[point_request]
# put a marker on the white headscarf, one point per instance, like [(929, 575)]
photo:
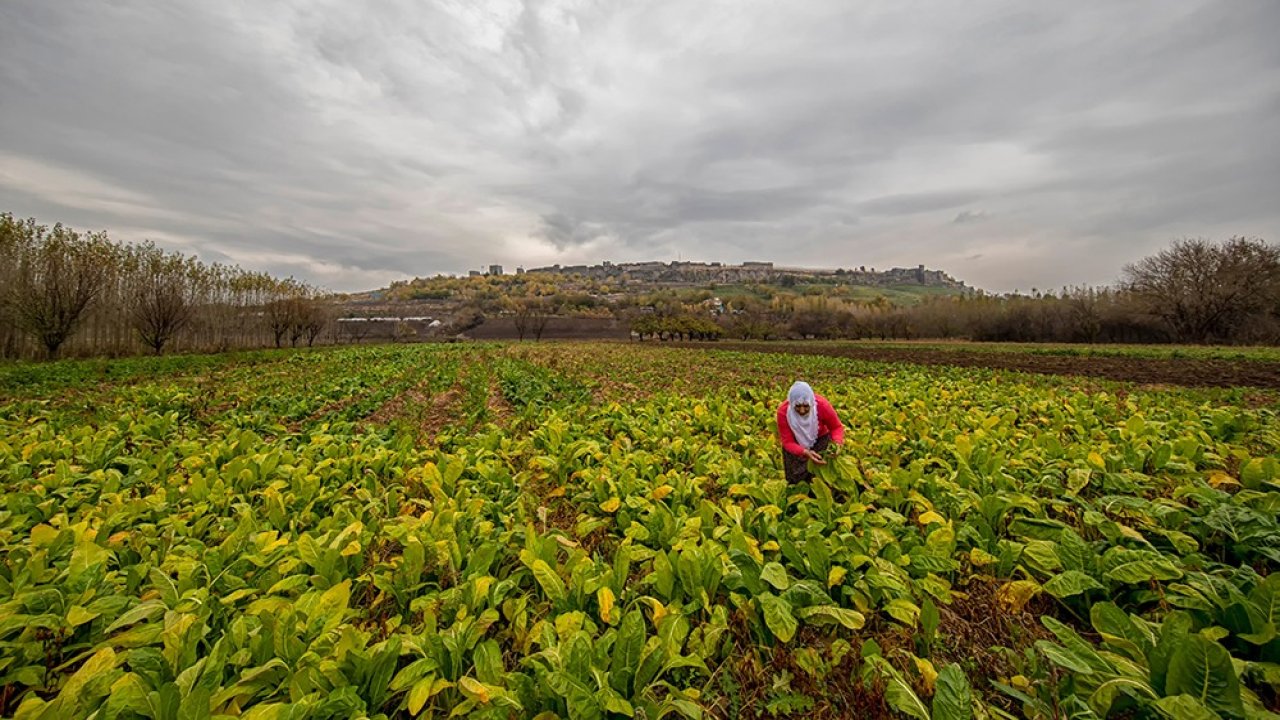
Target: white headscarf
[(805, 428)]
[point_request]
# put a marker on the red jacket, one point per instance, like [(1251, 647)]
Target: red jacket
[(828, 423)]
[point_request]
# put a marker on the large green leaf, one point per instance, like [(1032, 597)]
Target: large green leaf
[(898, 692), (1063, 657), (830, 614), (1120, 631), (1264, 609), (1104, 697), (774, 574), (1258, 471), (1202, 669), (626, 652), (548, 580), (1071, 582), (778, 617), (330, 607), (952, 696), (1041, 555), (1185, 707), (1077, 647), (1143, 571), (488, 662)]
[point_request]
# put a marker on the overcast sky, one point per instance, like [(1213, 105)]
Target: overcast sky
[(1011, 143)]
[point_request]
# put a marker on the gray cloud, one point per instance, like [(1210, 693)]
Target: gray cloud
[(968, 216), (352, 145)]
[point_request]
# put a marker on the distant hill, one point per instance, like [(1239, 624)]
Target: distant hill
[(615, 292), (896, 284)]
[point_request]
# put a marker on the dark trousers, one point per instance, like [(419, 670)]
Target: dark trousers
[(797, 466)]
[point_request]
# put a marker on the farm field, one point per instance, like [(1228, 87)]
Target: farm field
[(1174, 352), (1146, 364), (602, 530)]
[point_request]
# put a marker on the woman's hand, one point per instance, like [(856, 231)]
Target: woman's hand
[(814, 457)]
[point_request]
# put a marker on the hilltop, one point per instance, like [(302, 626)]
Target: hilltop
[(605, 299)]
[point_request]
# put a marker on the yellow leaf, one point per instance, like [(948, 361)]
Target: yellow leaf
[(836, 576), (99, 664), (1020, 681), (474, 689), (42, 535), (77, 615), (1096, 461), (1219, 479), (423, 690), (352, 548), (662, 491), (771, 545), (1130, 532), (930, 517), (604, 596), (927, 673), (418, 694), (611, 505), (659, 611), (1015, 595), (980, 557), (557, 492)]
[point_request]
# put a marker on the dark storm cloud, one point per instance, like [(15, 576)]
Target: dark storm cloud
[(1013, 144)]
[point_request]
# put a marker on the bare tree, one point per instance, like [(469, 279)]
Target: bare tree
[(530, 317), (163, 304), (313, 319), (539, 316), (1206, 292), (523, 310), (57, 275), (16, 237), (355, 328), (279, 319)]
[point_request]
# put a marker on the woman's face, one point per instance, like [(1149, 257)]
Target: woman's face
[(802, 409)]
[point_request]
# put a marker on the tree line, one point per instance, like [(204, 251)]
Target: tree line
[(64, 292), (1195, 291)]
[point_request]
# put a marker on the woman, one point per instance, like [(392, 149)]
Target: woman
[(807, 425)]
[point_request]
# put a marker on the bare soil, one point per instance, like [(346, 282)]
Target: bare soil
[(1148, 371)]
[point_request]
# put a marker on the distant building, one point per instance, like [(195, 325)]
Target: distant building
[(519, 271), (495, 269), (473, 273)]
